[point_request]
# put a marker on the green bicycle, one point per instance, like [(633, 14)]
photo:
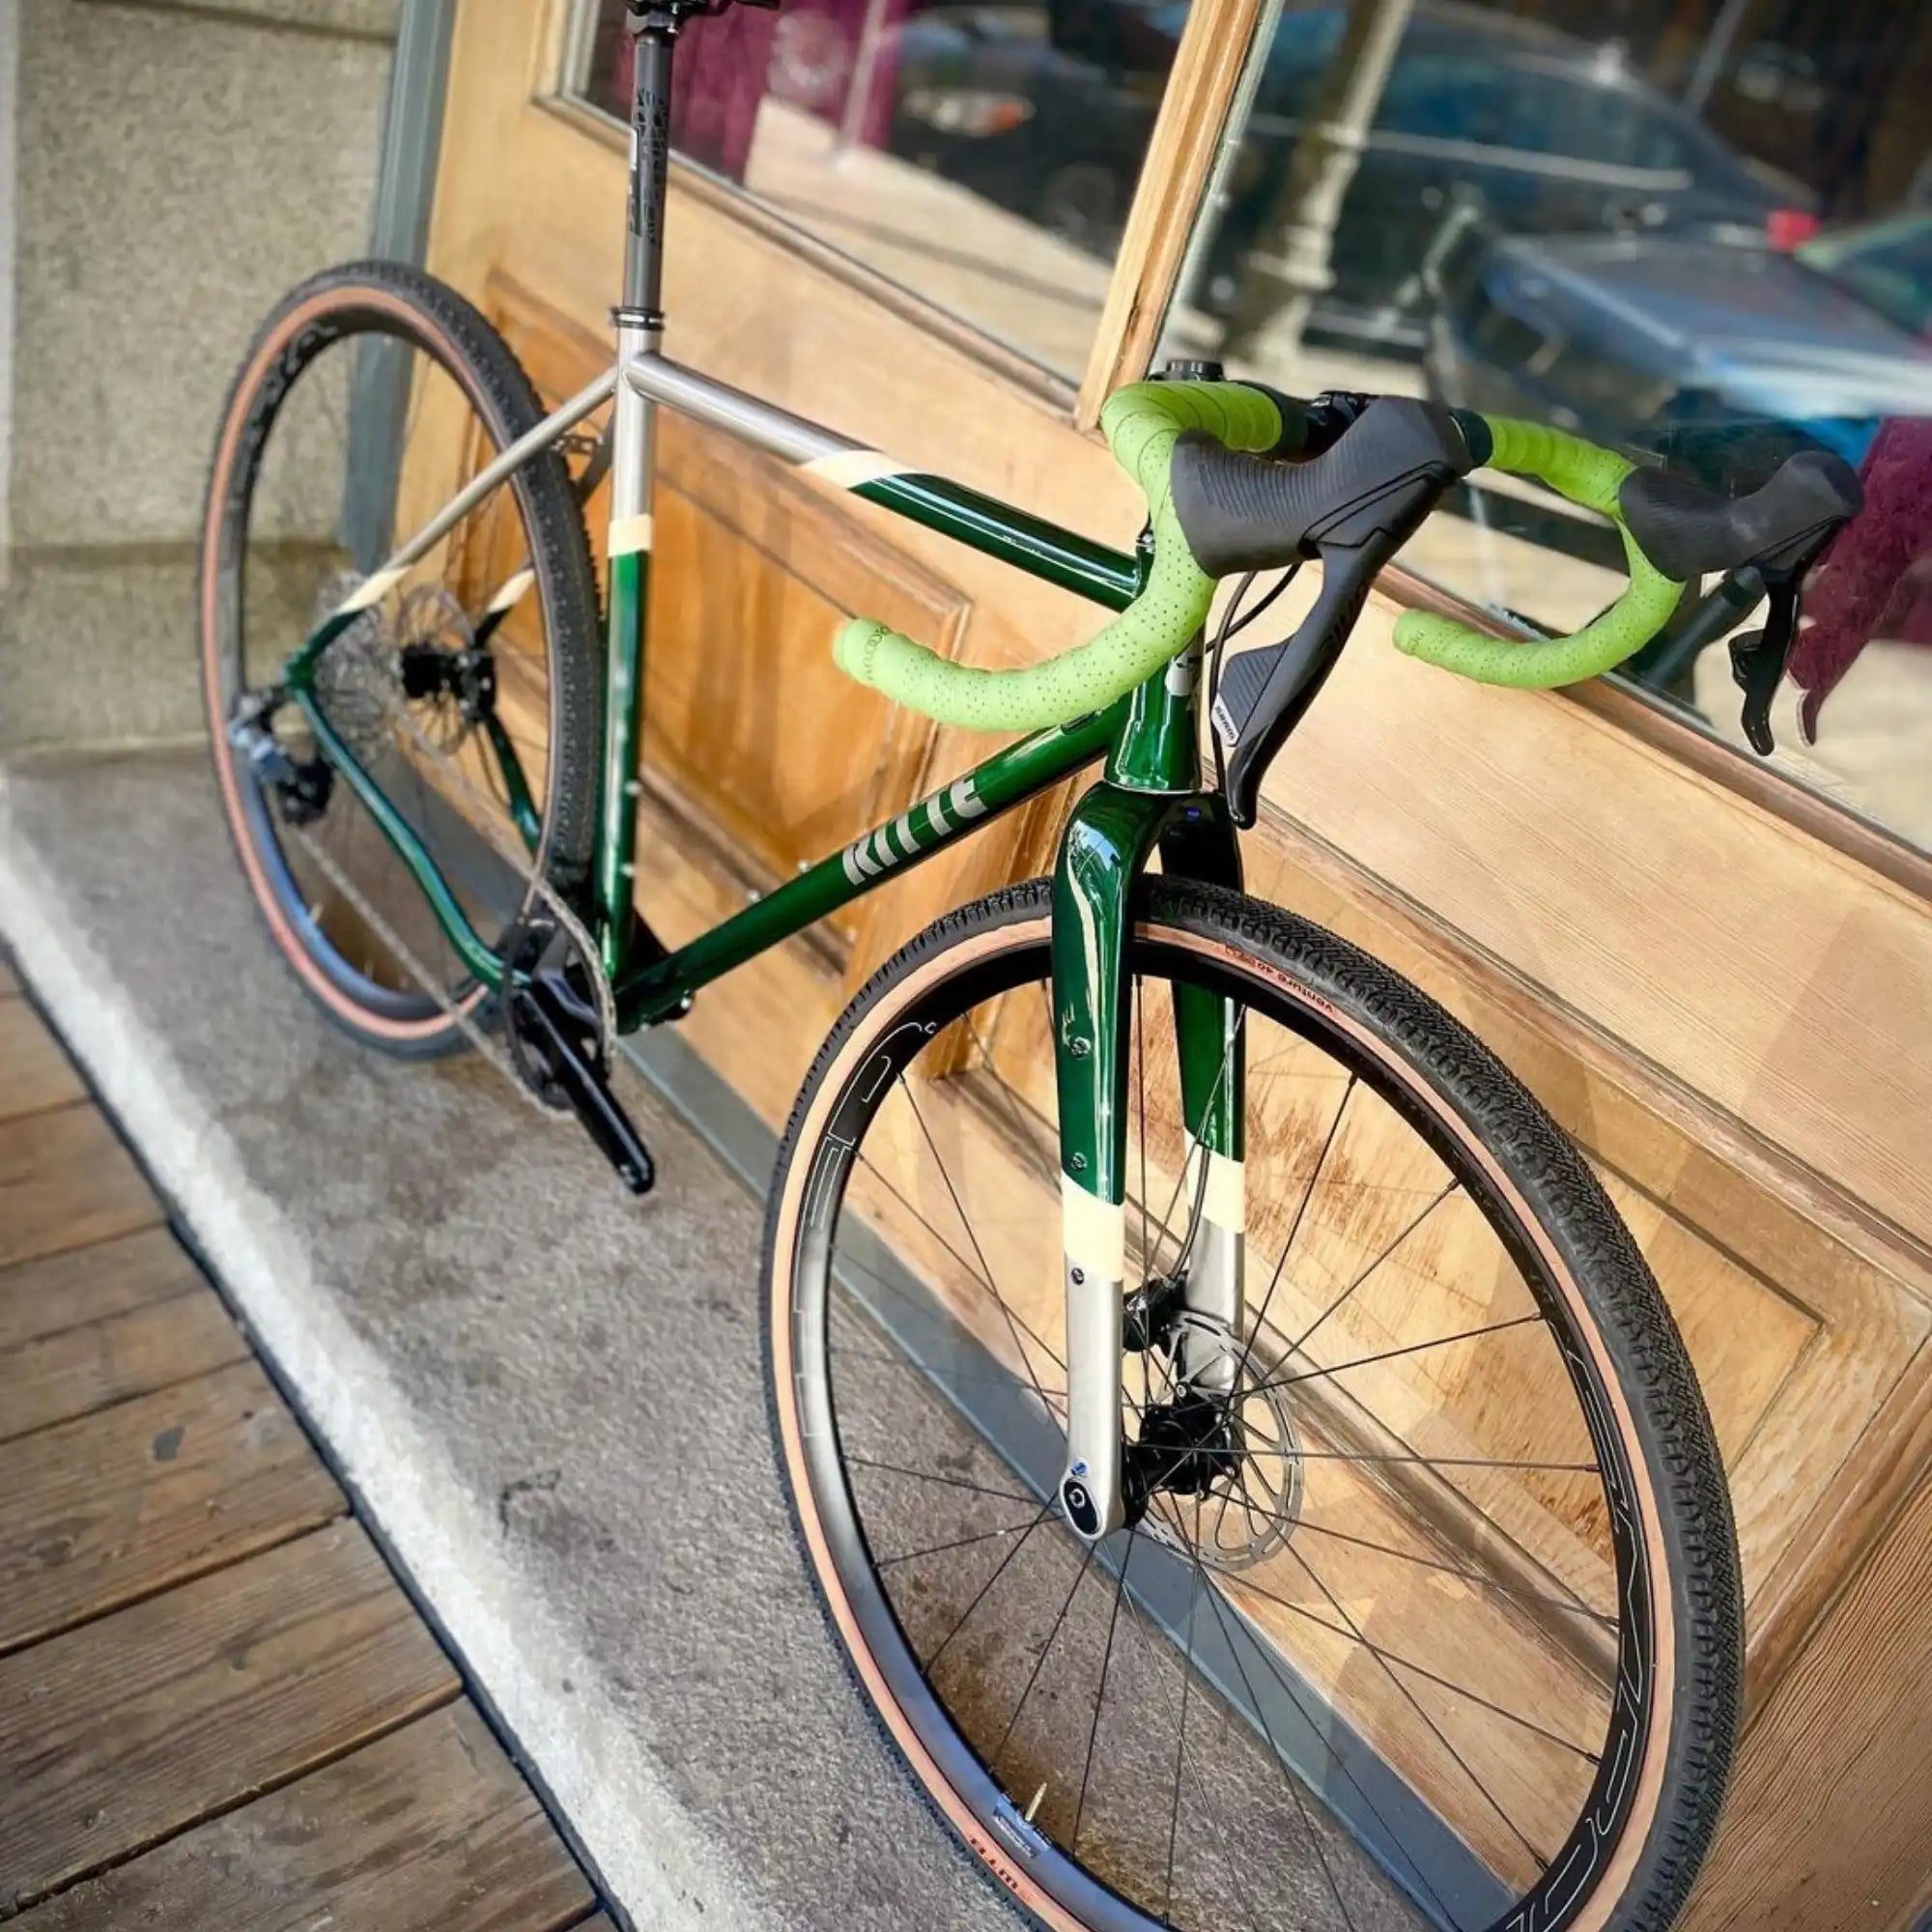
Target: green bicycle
[(1326, 1529)]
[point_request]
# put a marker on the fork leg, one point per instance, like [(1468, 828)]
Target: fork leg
[(1212, 1042), (1106, 844)]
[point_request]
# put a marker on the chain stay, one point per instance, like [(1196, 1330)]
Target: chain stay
[(535, 888)]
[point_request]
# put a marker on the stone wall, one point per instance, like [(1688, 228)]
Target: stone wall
[(173, 169)]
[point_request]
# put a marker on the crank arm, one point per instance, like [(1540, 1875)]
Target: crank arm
[(548, 1017)]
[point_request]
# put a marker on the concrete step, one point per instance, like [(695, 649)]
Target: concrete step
[(549, 1395)]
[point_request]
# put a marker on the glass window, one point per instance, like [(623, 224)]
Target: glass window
[(1702, 233), (982, 156)]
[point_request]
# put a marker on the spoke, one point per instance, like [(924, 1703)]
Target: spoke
[(909, 1362), (1541, 1863), (922, 1303), (1040, 1663), (1573, 1605), (1101, 1697), (1301, 1342), (1391, 1354), (1184, 1756), (1428, 1462), (1187, 1549), (947, 1482), (958, 1208), (1180, 1738), (1189, 1142), (1025, 1124), (957, 1543), (1333, 1755), (1014, 1322), (1295, 1229), (1239, 1579), (980, 1597), (1055, 1398), (1289, 1777)]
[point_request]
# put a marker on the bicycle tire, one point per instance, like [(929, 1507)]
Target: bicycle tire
[(1643, 1869), (403, 303)]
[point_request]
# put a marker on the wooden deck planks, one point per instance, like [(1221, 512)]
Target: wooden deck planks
[(217, 1710), (75, 1371), (428, 1829), (67, 1182), (92, 1284), (221, 1688), (35, 1073), (134, 1499)]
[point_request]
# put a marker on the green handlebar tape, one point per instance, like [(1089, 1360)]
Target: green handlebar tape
[(1142, 424), (1588, 476)]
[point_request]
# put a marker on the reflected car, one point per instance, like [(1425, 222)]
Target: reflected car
[(1047, 109), (1727, 357), (1032, 108)]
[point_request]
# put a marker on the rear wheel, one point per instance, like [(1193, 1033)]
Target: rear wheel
[(471, 689), (1432, 1620)]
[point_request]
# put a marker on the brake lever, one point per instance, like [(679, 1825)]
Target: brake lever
[(1351, 509), (1760, 658), (1264, 693)]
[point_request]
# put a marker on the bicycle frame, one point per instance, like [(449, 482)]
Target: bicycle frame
[(1150, 798)]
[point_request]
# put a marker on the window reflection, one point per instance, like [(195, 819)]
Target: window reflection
[(982, 156), (1698, 229)]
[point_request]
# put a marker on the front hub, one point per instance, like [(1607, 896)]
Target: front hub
[(1184, 1446)]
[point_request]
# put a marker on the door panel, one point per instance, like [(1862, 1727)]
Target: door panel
[(1747, 1101)]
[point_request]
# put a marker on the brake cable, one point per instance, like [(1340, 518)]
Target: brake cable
[(1233, 623)]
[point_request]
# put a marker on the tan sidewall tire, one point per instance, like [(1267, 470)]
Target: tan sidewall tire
[(890, 998), (409, 299)]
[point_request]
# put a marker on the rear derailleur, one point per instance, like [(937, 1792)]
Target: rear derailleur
[(299, 787)]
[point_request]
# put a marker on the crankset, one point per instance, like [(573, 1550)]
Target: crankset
[(557, 1042)]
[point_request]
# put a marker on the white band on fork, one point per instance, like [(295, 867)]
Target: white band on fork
[(1094, 1233)]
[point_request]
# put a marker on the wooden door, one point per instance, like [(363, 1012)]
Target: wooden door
[(1720, 992)]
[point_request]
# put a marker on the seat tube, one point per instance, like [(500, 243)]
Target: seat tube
[(640, 331), (1107, 842)]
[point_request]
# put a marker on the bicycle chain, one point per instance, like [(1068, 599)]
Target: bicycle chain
[(535, 887)]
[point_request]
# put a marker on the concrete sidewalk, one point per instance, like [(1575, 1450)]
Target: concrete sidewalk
[(549, 1396)]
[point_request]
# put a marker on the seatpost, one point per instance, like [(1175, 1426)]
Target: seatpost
[(654, 30), (640, 329)]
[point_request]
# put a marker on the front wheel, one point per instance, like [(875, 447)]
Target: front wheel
[(1433, 1619)]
